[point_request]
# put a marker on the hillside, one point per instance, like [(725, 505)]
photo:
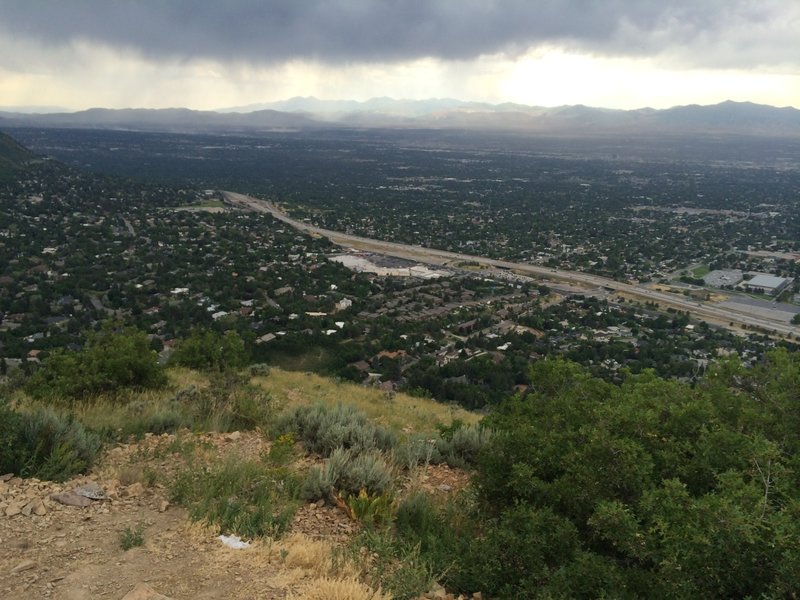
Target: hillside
[(580, 488), (13, 156), (140, 524)]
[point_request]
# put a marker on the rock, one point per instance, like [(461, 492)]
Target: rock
[(477, 596), (27, 509), (6, 477), (142, 591), (233, 436), (39, 509), (23, 566), (134, 489), (90, 490), (320, 502), (71, 499), (444, 487), (13, 510), (163, 505)]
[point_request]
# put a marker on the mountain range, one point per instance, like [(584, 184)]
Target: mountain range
[(304, 113)]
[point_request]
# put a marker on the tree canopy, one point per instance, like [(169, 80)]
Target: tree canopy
[(208, 350), (113, 358), (651, 488)]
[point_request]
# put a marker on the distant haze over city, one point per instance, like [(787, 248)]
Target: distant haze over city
[(437, 113), (208, 55)]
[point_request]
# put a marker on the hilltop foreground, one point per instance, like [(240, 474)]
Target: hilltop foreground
[(130, 528), (579, 488), (72, 553)]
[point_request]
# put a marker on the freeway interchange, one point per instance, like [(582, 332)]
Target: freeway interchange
[(722, 316)]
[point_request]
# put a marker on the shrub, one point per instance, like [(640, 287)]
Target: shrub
[(210, 351), (319, 483), (322, 429), (282, 450), (392, 565), (367, 471), (464, 444), (417, 517), (259, 370), (348, 473), (45, 445), (418, 449)]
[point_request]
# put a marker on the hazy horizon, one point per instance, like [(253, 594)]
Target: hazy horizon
[(205, 55), (33, 109)]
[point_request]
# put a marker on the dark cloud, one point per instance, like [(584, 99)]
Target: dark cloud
[(739, 32)]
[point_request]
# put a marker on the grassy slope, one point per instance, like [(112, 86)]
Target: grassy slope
[(400, 412), (288, 389)]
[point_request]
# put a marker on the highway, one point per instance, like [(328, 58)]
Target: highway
[(722, 316)]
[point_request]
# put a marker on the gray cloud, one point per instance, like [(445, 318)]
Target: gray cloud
[(742, 33)]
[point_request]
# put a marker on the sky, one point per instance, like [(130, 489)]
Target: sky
[(212, 54)]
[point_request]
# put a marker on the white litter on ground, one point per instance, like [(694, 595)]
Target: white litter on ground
[(233, 541)]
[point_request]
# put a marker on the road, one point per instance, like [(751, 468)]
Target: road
[(722, 316)]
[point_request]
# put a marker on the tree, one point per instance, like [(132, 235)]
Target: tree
[(112, 359), (205, 349)]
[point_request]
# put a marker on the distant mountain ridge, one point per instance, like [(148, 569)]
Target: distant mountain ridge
[(305, 112)]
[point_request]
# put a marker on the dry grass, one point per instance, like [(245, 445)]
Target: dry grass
[(336, 589), (400, 412), (297, 565), (111, 412), (312, 574)]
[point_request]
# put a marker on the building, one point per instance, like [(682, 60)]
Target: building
[(770, 284)]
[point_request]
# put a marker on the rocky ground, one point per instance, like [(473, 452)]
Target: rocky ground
[(55, 550)]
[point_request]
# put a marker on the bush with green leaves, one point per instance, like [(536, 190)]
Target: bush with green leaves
[(322, 429), (242, 497), (45, 444), (112, 359), (394, 566), (208, 350), (371, 510), (348, 472), (651, 488)]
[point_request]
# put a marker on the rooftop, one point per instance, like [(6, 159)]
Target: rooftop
[(767, 281)]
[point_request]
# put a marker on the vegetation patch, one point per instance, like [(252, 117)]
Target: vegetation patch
[(290, 389), (347, 473), (132, 537), (111, 360), (323, 429), (45, 444), (242, 497)]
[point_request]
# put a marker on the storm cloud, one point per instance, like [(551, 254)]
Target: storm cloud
[(715, 33)]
